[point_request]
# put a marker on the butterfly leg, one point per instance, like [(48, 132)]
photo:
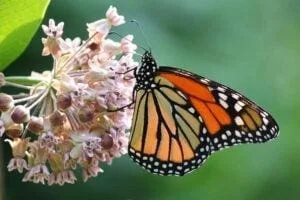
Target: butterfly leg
[(126, 72), (121, 108), (126, 106)]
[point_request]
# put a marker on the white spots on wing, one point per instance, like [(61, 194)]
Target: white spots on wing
[(224, 137), (241, 103), (263, 115), (207, 140), (265, 120), (181, 94), (156, 163), (237, 107), (235, 96), (223, 96), (200, 118), (258, 133), (131, 150), (192, 110), (264, 127), (238, 120), (228, 133), (216, 140), (204, 80), (221, 89), (223, 103), (207, 148), (237, 133)]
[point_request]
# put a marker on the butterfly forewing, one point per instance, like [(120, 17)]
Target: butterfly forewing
[(229, 117)]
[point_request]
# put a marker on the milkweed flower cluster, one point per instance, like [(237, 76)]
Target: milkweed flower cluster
[(68, 117)]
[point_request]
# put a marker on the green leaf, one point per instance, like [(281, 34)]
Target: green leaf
[(19, 21)]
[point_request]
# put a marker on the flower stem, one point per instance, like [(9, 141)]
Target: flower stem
[(24, 80), (17, 85)]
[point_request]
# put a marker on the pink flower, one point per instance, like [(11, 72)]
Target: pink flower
[(120, 143), (127, 45), (37, 174), (17, 164), (91, 170), (87, 146), (103, 26), (52, 30), (48, 141), (61, 178), (113, 17), (69, 46), (67, 110)]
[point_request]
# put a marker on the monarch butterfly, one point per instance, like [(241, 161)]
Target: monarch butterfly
[(181, 118)]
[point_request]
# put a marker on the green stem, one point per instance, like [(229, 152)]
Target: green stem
[(25, 80)]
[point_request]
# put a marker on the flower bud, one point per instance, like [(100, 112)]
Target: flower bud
[(14, 130), (6, 102), (64, 101), (86, 114), (57, 119), (104, 121), (36, 124), (20, 114), (107, 141)]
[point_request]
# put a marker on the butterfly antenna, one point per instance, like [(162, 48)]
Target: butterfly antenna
[(142, 32), (121, 36)]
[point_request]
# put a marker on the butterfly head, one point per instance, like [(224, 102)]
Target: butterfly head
[(146, 72)]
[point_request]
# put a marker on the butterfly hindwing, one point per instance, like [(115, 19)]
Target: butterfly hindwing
[(166, 131)]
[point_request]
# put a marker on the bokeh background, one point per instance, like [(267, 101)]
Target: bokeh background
[(252, 46)]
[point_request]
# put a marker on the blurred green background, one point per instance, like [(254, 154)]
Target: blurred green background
[(252, 46)]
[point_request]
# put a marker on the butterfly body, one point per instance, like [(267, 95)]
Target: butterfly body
[(181, 118)]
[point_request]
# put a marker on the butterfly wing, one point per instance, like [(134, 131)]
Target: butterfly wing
[(228, 117), (167, 134)]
